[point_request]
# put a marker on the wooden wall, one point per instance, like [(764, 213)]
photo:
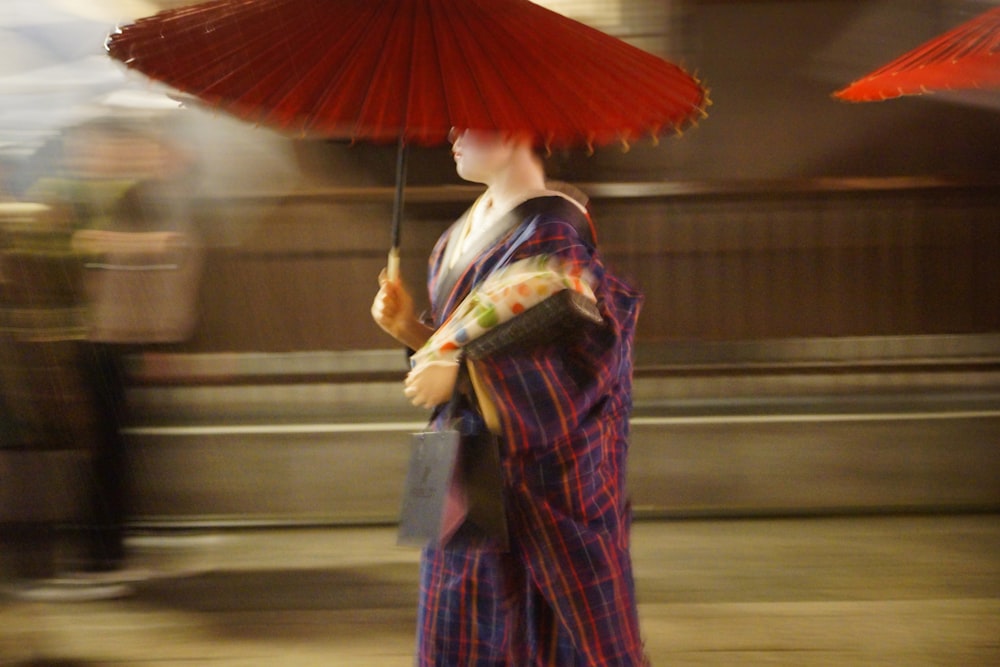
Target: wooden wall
[(766, 263)]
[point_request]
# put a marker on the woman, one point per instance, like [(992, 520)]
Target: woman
[(563, 594)]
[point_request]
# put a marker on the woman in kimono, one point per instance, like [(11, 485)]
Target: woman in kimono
[(563, 593)]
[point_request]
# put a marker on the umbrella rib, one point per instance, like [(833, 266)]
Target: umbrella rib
[(442, 39), (191, 26), (299, 99), (588, 99), (651, 71), (553, 62), (467, 47), (510, 50), (378, 74)]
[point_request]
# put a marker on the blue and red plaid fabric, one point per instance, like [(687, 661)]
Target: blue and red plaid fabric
[(564, 593)]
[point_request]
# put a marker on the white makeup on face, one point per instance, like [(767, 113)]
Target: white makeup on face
[(479, 154)]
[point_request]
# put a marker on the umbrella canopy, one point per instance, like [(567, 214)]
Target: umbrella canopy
[(410, 71), (965, 57), (381, 70)]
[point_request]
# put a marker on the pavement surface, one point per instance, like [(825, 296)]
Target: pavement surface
[(883, 590)]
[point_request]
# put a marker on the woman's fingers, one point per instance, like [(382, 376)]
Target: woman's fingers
[(385, 307), (414, 392), (430, 384)]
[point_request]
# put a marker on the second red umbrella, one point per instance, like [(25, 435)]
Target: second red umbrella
[(967, 56)]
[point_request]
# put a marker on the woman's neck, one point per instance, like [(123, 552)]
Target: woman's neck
[(522, 178)]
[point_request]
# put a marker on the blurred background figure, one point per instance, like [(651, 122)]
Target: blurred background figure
[(47, 415), (133, 262), (102, 266)]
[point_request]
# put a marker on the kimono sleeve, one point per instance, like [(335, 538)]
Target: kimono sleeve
[(547, 393)]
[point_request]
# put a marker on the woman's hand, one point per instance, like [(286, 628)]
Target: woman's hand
[(431, 384), (393, 311)]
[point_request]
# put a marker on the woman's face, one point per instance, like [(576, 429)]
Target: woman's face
[(480, 154)]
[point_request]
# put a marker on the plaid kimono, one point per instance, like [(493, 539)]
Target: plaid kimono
[(563, 595)]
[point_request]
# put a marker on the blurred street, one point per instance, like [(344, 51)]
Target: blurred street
[(903, 590)]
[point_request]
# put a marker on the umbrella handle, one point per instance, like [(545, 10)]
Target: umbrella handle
[(392, 265)]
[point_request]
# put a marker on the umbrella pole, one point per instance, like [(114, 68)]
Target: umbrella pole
[(392, 266)]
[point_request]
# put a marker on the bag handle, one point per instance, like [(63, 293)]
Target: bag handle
[(469, 387), (463, 388)]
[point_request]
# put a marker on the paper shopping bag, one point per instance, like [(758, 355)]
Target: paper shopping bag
[(433, 459), (453, 492)]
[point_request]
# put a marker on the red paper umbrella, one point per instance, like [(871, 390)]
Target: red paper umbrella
[(410, 70), (379, 69), (965, 57)]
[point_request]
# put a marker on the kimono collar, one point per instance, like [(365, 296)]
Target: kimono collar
[(456, 260)]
